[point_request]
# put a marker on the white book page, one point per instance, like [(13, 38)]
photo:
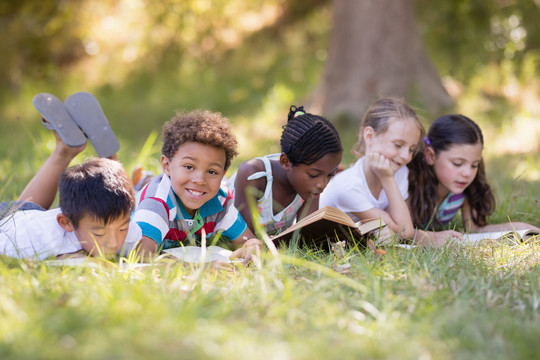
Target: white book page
[(193, 254), (507, 236)]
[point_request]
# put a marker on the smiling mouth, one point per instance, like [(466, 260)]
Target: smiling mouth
[(195, 193)]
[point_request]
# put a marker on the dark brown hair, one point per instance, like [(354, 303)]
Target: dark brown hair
[(446, 131), (200, 126)]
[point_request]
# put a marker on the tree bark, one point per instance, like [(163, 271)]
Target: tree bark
[(376, 50)]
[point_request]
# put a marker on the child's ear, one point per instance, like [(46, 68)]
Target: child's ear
[(429, 154), (285, 162), (368, 133), (165, 164), (64, 222)]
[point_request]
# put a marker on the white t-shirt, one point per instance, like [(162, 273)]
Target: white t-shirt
[(349, 191), (36, 234)]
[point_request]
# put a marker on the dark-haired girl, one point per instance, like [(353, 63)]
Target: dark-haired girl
[(449, 175), (288, 184)]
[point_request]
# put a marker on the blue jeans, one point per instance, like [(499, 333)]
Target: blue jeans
[(10, 207)]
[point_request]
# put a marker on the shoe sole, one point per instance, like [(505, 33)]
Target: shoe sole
[(52, 109), (87, 113)]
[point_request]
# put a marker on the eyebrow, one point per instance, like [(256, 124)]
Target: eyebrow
[(195, 159), (463, 159)]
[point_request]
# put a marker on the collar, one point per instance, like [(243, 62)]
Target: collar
[(211, 207)]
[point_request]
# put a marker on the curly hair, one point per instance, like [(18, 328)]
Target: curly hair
[(379, 115), (99, 187), (306, 138), (446, 131), (200, 126)]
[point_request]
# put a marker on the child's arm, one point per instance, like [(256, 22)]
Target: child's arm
[(435, 238), (398, 217), (147, 247), (432, 238), (470, 226), (246, 191)]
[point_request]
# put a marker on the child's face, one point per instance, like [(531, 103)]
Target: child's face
[(92, 233), (196, 171), (456, 167), (398, 143), (310, 180)]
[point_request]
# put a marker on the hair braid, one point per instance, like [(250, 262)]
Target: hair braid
[(306, 137)]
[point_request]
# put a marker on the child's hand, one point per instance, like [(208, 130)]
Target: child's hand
[(220, 265), (440, 238), (250, 249), (380, 165)]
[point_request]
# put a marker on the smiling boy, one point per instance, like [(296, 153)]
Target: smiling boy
[(186, 200)]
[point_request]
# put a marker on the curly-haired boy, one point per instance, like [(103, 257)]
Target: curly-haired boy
[(187, 199)]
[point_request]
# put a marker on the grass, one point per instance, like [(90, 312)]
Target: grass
[(414, 304)]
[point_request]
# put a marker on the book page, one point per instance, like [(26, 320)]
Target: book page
[(325, 214), (368, 225), (506, 236), (193, 254)]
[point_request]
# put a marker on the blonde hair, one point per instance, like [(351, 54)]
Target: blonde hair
[(378, 117)]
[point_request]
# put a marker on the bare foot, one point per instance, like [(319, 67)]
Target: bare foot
[(65, 151)]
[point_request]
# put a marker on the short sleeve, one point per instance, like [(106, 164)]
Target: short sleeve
[(230, 222), (152, 216)]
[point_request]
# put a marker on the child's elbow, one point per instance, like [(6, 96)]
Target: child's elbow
[(407, 233)]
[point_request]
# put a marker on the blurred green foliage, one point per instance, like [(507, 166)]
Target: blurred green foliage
[(249, 60)]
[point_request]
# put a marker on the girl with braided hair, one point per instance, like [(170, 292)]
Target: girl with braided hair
[(287, 185), (376, 186)]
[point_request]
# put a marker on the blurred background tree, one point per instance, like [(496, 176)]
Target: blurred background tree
[(376, 50)]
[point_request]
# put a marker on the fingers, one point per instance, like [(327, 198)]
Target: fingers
[(220, 265), (379, 164)]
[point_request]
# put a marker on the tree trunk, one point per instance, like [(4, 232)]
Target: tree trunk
[(376, 50)]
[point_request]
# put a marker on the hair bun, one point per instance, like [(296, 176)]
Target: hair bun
[(295, 111)]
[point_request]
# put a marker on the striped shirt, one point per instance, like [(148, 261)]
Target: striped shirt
[(449, 207), (162, 217)]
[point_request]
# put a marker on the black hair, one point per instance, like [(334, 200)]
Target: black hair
[(446, 131), (306, 138), (99, 187)]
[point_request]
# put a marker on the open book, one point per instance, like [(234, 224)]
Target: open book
[(510, 237), (193, 254), (329, 225)]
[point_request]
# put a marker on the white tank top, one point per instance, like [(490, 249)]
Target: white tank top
[(285, 218)]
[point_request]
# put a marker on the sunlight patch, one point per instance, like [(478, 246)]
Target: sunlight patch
[(519, 136)]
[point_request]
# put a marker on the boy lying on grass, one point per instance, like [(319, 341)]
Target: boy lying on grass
[(187, 201), (96, 198)]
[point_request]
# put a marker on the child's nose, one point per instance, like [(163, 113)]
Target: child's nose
[(322, 183), (115, 242), (467, 171), (198, 177)]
